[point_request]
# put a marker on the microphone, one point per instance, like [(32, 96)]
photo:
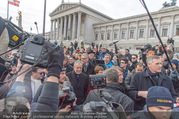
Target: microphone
[(110, 44), (36, 27)]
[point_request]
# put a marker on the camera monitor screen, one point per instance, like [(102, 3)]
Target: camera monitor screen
[(34, 49)]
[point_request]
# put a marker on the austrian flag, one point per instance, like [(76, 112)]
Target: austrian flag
[(14, 2)]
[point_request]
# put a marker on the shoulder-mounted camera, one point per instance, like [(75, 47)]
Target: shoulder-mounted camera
[(33, 50)]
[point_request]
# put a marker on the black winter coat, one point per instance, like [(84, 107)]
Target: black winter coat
[(142, 81), (117, 92), (80, 89), (90, 69)]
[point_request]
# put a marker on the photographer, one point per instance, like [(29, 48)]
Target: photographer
[(62, 78), (114, 88)]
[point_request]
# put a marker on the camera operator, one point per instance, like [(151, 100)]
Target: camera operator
[(114, 88)]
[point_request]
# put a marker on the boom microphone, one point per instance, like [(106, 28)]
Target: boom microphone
[(110, 44)]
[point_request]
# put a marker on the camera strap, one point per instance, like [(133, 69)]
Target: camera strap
[(63, 99)]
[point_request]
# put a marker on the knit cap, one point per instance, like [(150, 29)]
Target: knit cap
[(159, 96)]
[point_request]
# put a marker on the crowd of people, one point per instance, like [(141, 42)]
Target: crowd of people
[(143, 82)]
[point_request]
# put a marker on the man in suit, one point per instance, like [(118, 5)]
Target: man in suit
[(88, 67), (79, 81)]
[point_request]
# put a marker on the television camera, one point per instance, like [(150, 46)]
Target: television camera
[(106, 101), (35, 48)]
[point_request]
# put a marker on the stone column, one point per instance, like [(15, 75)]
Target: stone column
[(137, 28), (69, 27), (79, 25), (65, 26), (112, 33), (127, 34), (119, 33), (51, 37), (74, 26), (172, 27), (147, 30), (159, 22), (54, 32), (57, 29), (99, 33), (61, 29), (105, 34)]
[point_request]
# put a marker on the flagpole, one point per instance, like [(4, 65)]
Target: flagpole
[(7, 9)]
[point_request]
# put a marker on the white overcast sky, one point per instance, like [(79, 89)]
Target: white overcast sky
[(32, 10)]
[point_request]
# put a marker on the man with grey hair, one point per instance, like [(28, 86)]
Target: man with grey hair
[(79, 81), (114, 89), (150, 76), (88, 67)]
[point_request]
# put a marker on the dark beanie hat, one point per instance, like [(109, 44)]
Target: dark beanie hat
[(159, 96), (3, 72), (175, 61)]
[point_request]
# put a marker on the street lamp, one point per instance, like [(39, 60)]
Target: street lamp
[(44, 18), (36, 27)]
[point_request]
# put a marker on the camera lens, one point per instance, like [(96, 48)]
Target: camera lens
[(36, 39)]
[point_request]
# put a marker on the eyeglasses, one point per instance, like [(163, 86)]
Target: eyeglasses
[(133, 58), (40, 73), (122, 62)]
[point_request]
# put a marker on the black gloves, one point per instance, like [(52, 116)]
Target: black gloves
[(55, 61)]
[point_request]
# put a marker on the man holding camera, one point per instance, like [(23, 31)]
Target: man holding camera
[(114, 88)]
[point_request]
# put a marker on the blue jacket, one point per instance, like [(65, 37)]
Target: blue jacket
[(22, 88), (101, 55), (106, 66)]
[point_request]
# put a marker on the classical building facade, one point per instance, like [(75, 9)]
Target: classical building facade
[(77, 22)]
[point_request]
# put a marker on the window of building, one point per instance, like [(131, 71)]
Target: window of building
[(108, 36), (177, 30), (131, 33), (96, 36), (123, 35), (141, 33), (115, 35), (165, 31), (152, 33), (102, 36)]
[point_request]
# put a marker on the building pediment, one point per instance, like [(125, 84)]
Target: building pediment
[(63, 7)]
